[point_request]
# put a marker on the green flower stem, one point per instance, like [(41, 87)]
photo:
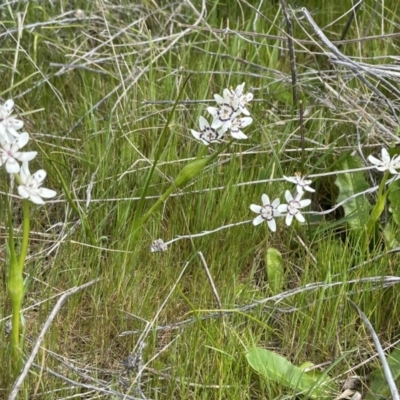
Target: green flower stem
[(16, 293), (154, 207), (16, 282), (189, 171), (25, 234), (379, 206), (202, 152)]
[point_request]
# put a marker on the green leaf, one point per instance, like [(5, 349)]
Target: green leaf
[(349, 184), (278, 369), (378, 385), (273, 260)]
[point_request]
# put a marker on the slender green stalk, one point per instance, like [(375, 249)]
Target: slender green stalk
[(188, 172), (25, 234), (379, 206), (15, 287)]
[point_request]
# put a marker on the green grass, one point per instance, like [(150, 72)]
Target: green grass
[(90, 123)]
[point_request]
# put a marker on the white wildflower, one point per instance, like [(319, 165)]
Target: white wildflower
[(267, 212), (9, 124), (301, 183), (387, 163), (207, 133), (241, 98), (10, 153), (237, 125), (225, 113), (30, 188), (293, 207)]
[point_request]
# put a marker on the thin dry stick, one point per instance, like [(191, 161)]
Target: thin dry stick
[(88, 386), (145, 333), (358, 69), (386, 369), (292, 54), (214, 289), (46, 326), (350, 20), (379, 282), (276, 37)]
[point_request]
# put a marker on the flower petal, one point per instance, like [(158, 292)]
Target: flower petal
[(283, 208), (245, 121), (265, 199), (216, 124), (289, 219), (385, 156), (272, 224), (238, 135), (24, 173), (12, 166), (35, 198), (304, 203), (288, 196), (213, 111), (47, 193), (258, 220), (195, 134), (22, 140), (23, 192), (299, 216), (8, 106), (255, 208), (39, 176), (219, 99), (248, 97), (26, 156), (203, 123), (276, 203)]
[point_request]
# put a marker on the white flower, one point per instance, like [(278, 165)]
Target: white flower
[(30, 188), (386, 164), (158, 245), (243, 98), (225, 114), (268, 211), (207, 133), (293, 206), (8, 124), (301, 182), (236, 126), (10, 154)]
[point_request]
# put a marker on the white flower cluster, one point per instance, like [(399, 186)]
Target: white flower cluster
[(269, 211), (11, 143), (226, 117)]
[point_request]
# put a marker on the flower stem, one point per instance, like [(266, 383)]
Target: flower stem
[(188, 172), (25, 234), (379, 206), (15, 284)]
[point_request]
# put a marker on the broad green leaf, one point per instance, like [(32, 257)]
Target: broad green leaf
[(378, 387), (394, 199), (278, 369), (349, 184), (307, 367), (273, 260)]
